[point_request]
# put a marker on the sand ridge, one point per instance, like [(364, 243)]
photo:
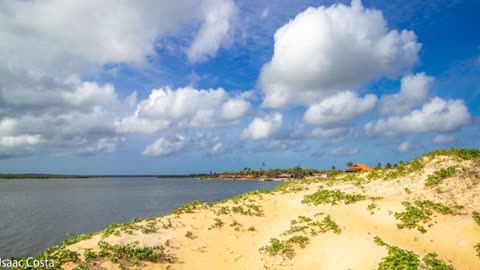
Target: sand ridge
[(231, 234)]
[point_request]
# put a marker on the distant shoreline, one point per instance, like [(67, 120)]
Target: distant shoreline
[(57, 176)]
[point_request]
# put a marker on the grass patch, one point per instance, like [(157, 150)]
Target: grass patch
[(189, 234), (289, 187), (81, 267), (74, 238), (89, 254), (305, 224), (476, 217), (419, 212), (438, 176), (217, 223), (403, 259), (188, 207), (58, 254), (371, 207), (132, 253), (465, 154), (324, 196), (397, 258), (284, 248), (248, 210), (432, 262)]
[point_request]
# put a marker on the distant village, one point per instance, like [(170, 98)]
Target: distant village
[(297, 172)]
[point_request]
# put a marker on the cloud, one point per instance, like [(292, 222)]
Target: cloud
[(404, 146), (329, 49), (56, 36), (329, 132), (214, 31), (344, 151), (182, 142), (73, 116), (413, 91), (263, 127), (443, 139), (435, 115), (279, 146), (183, 108), (339, 109), (235, 109), (21, 140), (165, 146)]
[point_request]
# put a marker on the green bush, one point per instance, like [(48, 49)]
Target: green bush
[(188, 207), (419, 212), (438, 176), (324, 196), (476, 217), (397, 258)]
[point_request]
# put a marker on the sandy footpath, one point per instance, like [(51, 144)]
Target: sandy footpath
[(196, 240)]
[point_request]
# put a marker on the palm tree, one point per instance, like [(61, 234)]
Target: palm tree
[(349, 164)]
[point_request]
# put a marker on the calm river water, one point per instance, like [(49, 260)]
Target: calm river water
[(38, 213)]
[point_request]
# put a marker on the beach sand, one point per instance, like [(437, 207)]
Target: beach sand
[(238, 246)]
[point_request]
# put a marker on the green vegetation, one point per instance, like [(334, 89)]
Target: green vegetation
[(236, 225), (73, 238), (189, 234), (397, 258), (433, 263), (324, 196), (465, 154), (248, 210), (403, 259), (115, 229), (477, 248), (419, 212), (58, 254), (132, 253), (476, 217), (89, 254), (371, 207), (251, 229), (188, 207), (289, 187), (81, 267), (284, 248), (248, 196), (438, 176), (217, 223), (297, 172)]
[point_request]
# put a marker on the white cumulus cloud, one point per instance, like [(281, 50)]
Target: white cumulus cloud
[(339, 108), (263, 127), (413, 91), (443, 139), (183, 108), (67, 36), (165, 146), (328, 49), (435, 115), (404, 146), (215, 30)]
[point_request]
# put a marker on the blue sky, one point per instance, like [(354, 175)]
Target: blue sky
[(147, 87)]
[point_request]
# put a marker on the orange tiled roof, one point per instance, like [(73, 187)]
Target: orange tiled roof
[(359, 167)]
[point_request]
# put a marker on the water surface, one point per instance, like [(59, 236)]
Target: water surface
[(38, 213)]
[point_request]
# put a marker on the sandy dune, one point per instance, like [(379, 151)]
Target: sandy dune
[(237, 246)]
